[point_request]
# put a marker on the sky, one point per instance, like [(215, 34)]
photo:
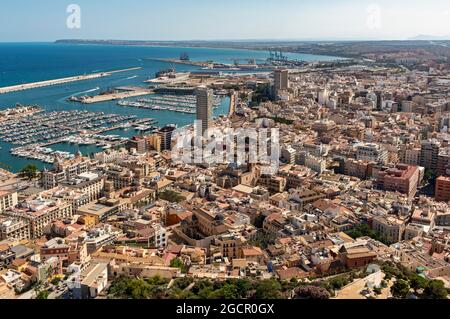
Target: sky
[(49, 20)]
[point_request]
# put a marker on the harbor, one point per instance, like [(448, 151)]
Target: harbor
[(33, 134), (174, 103), (114, 94), (91, 60), (28, 86), (48, 127)]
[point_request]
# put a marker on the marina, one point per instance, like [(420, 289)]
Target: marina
[(174, 103), (32, 134), (47, 127)]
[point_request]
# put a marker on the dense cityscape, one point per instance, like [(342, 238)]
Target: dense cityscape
[(222, 159), (356, 207)]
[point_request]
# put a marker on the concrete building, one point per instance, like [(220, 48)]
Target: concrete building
[(55, 247), (7, 200), (40, 213), (372, 153), (165, 134), (281, 80), (90, 282), (230, 245), (14, 228), (288, 154), (323, 97), (443, 162), (101, 236), (316, 164), (154, 142), (65, 170), (403, 179), (160, 238), (205, 108), (356, 168), (87, 183), (442, 219), (389, 228), (429, 154), (443, 189), (412, 156), (137, 143), (102, 209), (6, 256)]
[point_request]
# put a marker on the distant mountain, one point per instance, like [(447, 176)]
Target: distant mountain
[(424, 37)]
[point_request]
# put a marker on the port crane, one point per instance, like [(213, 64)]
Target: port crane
[(277, 55)]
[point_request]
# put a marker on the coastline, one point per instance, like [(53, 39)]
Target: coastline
[(191, 46)]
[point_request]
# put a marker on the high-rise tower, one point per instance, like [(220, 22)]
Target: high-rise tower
[(205, 108)]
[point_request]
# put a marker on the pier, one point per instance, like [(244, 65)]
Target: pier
[(233, 101), (116, 96), (35, 85)]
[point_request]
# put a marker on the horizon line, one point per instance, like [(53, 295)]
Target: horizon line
[(254, 40)]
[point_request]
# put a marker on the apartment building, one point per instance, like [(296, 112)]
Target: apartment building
[(403, 179), (391, 229), (429, 153), (443, 162), (372, 153), (230, 245), (274, 184), (65, 170), (281, 80), (443, 189), (316, 164), (7, 200), (14, 228), (39, 213), (356, 168)]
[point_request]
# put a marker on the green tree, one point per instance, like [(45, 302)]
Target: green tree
[(268, 289), (133, 288), (400, 289), (29, 171), (228, 291), (338, 282), (436, 290), (377, 290), (417, 282), (363, 230), (178, 263), (43, 294), (312, 292), (171, 196)]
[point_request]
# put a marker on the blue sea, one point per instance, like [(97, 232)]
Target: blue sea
[(32, 62)]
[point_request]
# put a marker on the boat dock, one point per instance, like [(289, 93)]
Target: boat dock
[(97, 132), (28, 86)]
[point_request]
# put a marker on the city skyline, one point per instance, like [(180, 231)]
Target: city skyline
[(203, 20)]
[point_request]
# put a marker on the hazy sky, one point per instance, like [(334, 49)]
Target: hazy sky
[(44, 20)]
